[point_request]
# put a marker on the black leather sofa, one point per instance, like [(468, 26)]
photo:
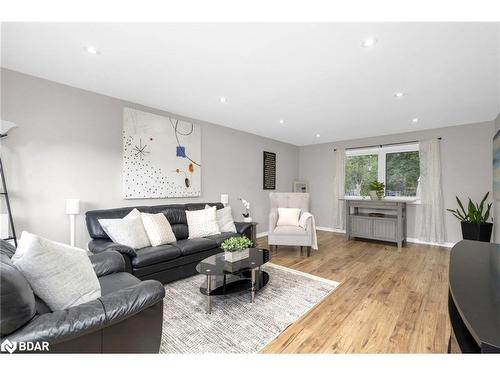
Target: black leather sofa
[(127, 318), (164, 263)]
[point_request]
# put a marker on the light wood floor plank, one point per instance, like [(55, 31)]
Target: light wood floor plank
[(389, 301)]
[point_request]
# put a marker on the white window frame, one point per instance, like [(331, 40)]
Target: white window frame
[(381, 153)]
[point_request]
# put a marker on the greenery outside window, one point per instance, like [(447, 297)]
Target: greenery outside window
[(397, 166)]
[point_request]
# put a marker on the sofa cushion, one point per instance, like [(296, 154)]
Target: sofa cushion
[(290, 230), (92, 219), (176, 216), (202, 223), (158, 229), (155, 254), (117, 281), (220, 238), (195, 245)]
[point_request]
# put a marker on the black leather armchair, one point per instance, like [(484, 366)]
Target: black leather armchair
[(127, 318)]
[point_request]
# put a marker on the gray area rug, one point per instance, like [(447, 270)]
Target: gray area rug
[(236, 325)]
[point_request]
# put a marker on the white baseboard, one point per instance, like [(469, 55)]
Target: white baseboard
[(412, 240)]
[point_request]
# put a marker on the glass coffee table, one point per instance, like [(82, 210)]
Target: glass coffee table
[(225, 277)]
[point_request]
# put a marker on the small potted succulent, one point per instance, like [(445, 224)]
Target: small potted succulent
[(377, 190), (236, 248)]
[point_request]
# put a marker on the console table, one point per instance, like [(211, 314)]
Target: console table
[(383, 220), (474, 297)]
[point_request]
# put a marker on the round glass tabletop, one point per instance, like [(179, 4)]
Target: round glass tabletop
[(217, 265)]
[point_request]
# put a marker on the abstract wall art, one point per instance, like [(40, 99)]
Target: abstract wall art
[(161, 156)]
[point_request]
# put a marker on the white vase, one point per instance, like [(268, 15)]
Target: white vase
[(247, 219), (236, 256)]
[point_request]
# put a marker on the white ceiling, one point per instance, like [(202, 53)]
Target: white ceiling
[(314, 76)]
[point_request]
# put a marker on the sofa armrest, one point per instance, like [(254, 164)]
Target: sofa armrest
[(273, 219), (243, 228), (99, 245), (132, 300), (305, 221), (107, 262), (64, 325)]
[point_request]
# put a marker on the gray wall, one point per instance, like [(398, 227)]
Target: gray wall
[(466, 153), (69, 145)]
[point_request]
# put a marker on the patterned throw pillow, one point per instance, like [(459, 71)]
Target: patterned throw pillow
[(158, 229), (225, 219), (128, 231), (202, 223)]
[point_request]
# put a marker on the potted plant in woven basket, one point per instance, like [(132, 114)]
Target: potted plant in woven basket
[(236, 248), (474, 221)]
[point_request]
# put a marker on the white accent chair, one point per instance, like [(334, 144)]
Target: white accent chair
[(289, 235)]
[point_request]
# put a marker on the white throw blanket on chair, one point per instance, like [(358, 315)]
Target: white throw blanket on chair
[(303, 224)]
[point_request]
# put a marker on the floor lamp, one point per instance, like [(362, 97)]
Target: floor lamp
[(6, 219), (72, 209)]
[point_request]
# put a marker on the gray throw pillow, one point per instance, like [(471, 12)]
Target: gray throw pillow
[(61, 275)]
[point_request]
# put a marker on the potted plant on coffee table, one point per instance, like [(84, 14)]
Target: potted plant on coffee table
[(377, 190), (474, 221), (236, 248)]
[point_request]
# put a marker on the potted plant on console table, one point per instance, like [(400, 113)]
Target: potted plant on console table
[(236, 248), (474, 221), (377, 190)]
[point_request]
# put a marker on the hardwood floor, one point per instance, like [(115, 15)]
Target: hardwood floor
[(389, 301)]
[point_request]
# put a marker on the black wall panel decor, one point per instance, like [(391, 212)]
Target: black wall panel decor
[(269, 170)]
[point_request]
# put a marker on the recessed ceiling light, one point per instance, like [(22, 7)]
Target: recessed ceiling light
[(282, 121), (399, 94), (318, 135), (223, 100), (370, 42), (414, 120), (92, 50)]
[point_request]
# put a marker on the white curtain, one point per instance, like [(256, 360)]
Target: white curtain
[(339, 190), (429, 222)]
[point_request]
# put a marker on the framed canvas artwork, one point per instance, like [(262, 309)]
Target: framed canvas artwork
[(161, 156)]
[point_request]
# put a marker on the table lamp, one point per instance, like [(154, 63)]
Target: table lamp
[(72, 209)]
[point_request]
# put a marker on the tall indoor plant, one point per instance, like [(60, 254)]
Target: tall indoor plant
[(474, 221)]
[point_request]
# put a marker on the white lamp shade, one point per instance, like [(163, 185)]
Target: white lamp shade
[(6, 126), (224, 198), (72, 206)]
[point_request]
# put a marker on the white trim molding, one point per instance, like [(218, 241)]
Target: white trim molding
[(335, 230)]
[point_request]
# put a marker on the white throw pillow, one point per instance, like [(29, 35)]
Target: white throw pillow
[(128, 231), (61, 275), (224, 219), (288, 216), (158, 229), (202, 223)]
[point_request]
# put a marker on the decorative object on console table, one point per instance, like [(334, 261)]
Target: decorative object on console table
[(377, 190), (269, 172), (5, 127), (161, 156), (72, 209), (474, 221), (246, 216), (224, 199), (236, 248), (391, 227)]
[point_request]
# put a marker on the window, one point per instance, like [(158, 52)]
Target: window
[(397, 166)]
